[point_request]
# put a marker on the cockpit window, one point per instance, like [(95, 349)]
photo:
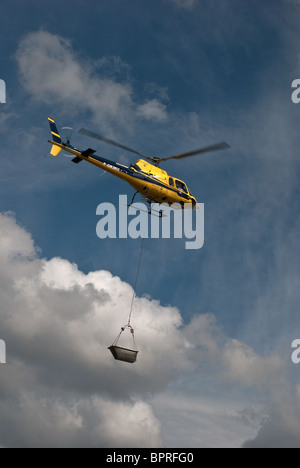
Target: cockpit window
[(171, 182), (181, 186)]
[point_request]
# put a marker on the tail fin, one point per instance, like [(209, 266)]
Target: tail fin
[(55, 150)]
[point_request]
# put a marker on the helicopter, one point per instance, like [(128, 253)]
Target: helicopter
[(145, 176)]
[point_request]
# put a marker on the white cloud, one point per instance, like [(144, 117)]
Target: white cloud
[(153, 110), (36, 421), (282, 428), (235, 361), (124, 424), (216, 420), (14, 240), (51, 71), (240, 363), (60, 380), (62, 383)]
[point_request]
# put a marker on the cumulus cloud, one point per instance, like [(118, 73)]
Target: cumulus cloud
[(60, 380), (208, 419), (240, 363), (51, 71), (153, 110), (62, 383), (95, 422), (281, 429), (234, 361)]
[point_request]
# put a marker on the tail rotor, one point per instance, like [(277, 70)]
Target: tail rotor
[(67, 135), (59, 145)]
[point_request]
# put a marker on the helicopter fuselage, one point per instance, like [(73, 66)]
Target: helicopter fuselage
[(152, 182)]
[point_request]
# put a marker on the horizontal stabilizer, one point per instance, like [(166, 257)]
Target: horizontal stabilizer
[(77, 160), (87, 153)]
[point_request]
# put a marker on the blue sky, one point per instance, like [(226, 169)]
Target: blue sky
[(164, 78)]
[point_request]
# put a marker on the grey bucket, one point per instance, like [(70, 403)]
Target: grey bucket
[(123, 354)]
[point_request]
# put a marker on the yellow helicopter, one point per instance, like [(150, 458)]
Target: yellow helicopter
[(148, 179)]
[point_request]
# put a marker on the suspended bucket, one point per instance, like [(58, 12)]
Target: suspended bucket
[(120, 353), (123, 354)]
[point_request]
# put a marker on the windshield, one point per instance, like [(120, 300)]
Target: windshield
[(181, 186)]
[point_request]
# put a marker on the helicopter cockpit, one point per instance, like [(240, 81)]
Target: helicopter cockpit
[(179, 185)]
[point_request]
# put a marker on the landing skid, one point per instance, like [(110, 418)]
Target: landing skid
[(136, 193), (150, 211)]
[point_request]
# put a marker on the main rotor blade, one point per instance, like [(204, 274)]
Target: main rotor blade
[(96, 136), (207, 149)]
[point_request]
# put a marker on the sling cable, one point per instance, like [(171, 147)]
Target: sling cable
[(121, 353)]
